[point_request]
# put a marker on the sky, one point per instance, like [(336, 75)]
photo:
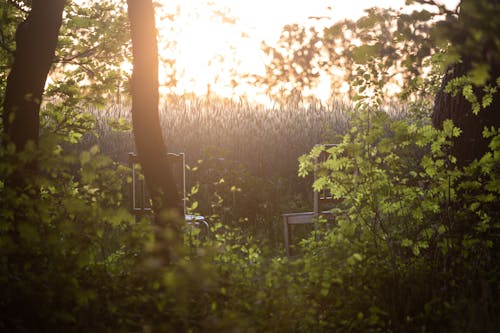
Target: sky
[(208, 49)]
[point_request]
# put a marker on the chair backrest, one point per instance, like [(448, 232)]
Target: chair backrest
[(321, 197), (140, 201), (324, 197)]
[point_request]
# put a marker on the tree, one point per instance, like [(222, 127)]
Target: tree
[(36, 41), (402, 45), (469, 92), (145, 118), (86, 67), (414, 52), (293, 63), (79, 50), (92, 49)]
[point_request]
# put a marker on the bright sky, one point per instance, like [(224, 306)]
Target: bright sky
[(208, 49)]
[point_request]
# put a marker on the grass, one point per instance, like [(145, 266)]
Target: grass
[(267, 140)]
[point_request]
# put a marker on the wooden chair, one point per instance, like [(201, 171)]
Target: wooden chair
[(320, 199), (140, 201)]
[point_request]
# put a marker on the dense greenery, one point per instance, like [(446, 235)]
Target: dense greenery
[(415, 236), (413, 248)]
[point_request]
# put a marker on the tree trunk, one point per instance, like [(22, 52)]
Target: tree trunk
[(150, 147), (36, 41), (470, 145), (473, 20)]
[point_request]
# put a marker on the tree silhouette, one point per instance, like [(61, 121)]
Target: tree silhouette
[(36, 41), (468, 94), (145, 118)]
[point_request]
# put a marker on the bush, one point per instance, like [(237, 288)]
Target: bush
[(413, 248)]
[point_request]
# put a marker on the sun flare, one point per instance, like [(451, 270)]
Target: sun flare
[(215, 43)]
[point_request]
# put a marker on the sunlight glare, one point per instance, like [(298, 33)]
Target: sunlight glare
[(212, 49)]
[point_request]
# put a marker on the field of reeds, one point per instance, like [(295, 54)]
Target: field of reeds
[(267, 140)]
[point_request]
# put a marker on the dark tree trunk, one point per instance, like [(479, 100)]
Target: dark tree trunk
[(474, 18), (36, 41), (470, 145), (151, 149)]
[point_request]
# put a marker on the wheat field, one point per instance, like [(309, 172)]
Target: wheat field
[(267, 140)]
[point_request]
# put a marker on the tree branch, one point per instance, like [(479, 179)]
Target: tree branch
[(83, 54)]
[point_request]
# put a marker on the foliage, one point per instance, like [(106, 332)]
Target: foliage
[(404, 44), (65, 238), (413, 244), (10, 17), (471, 38), (413, 248), (91, 49), (293, 62)]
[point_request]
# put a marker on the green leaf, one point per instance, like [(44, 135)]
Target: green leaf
[(479, 74), (362, 54), (406, 243)]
